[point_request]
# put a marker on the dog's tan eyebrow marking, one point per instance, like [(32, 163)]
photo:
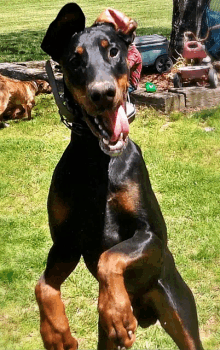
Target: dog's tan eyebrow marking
[(104, 43), (80, 50)]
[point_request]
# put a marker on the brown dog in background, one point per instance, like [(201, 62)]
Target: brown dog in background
[(17, 97)]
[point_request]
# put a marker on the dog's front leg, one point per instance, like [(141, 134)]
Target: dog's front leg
[(143, 249), (54, 328), (115, 310), (29, 108)]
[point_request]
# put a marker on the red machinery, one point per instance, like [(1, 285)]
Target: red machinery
[(194, 52)]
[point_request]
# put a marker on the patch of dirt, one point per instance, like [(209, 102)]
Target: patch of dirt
[(208, 329), (163, 81)]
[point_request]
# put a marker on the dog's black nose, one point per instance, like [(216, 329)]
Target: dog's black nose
[(102, 93)]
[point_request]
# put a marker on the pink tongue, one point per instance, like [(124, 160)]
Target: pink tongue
[(118, 123)]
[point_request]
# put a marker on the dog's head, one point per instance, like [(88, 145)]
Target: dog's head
[(43, 87), (94, 64)]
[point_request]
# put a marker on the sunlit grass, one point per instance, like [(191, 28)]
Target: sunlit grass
[(183, 162), (24, 23)]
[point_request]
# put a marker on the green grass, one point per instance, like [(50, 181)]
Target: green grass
[(183, 161), (23, 23)]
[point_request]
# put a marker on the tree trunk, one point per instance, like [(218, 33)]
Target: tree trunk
[(187, 16)]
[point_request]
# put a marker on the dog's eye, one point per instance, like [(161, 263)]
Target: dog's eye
[(75, 60), (113, 51)]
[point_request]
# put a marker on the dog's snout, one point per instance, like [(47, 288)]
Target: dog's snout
[(102, 93)]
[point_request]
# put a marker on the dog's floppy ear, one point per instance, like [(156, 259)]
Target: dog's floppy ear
[(124, 26), (69, 20)]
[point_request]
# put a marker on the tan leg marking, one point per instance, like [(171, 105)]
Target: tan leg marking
[(55, 329)]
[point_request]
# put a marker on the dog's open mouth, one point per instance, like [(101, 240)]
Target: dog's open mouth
[(112, 129)]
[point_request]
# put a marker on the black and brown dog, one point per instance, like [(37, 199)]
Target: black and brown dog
[(101, 205)]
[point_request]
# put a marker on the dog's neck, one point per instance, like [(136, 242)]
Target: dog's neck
[(34, 84), (78, 126)]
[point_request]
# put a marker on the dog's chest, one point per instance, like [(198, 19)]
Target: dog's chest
[(125, 199), (106, 213)]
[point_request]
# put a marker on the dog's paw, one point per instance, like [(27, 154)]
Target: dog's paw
[(57, 338), (117, 318), (4, 125), (54, 328)]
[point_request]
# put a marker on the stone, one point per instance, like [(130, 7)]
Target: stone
[(202, 97), (164, 101)]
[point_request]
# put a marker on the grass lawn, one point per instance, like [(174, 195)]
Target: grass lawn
[(23, 23), (183, 162)]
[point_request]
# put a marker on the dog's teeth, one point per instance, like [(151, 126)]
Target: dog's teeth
[(106, 142), (96, 121), (130, 333), (104, 134), (121, 136), (100, 127), (118, 145)]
